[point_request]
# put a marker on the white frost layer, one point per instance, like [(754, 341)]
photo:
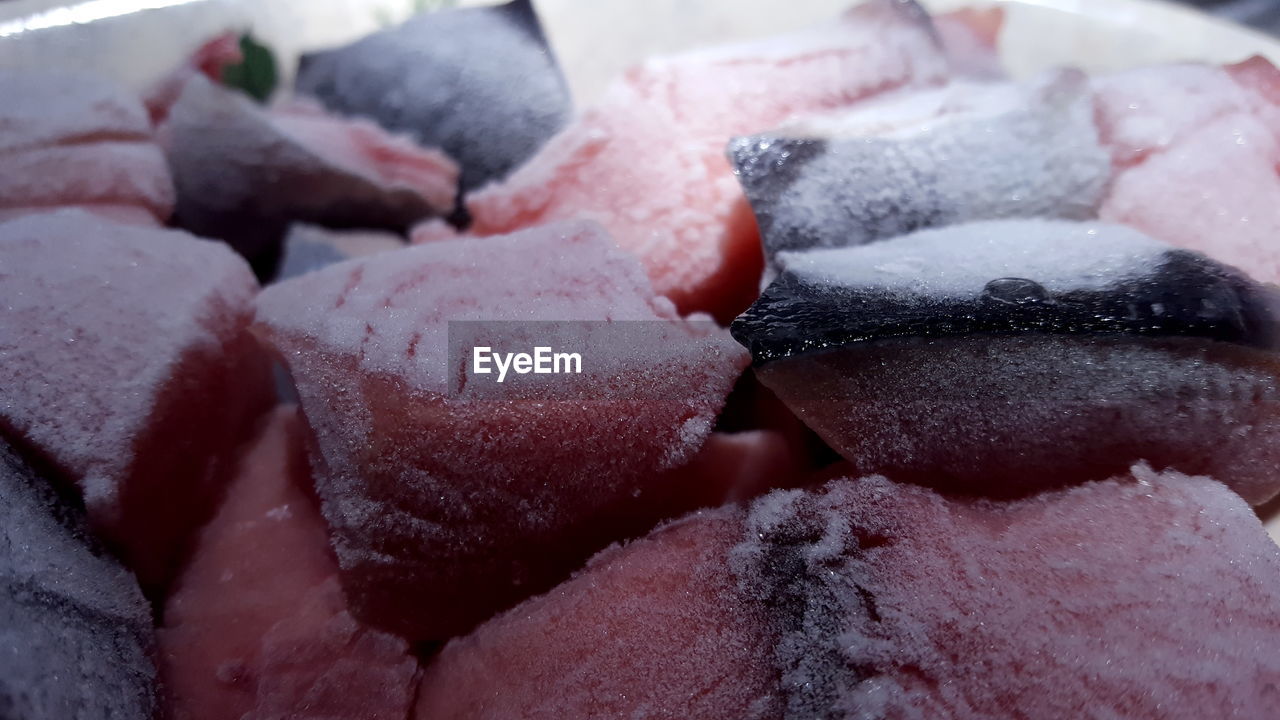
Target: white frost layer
[(94, 317), (958, 261)]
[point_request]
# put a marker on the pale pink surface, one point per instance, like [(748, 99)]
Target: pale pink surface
[(648, 161), (1199, 155), (127, 174), (47, 109), (653, 629), (68, 140), (257, 627), (128, 366), (1146, 596), (446, 507), (1216, 191), (1156, 596), (364, 148)]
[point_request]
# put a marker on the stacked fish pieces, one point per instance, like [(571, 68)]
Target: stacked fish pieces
[(1016, 345), (1021, 390), (1003, 357)]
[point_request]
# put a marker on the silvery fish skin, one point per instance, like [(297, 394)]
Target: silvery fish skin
[(479, 83), (964, 152), (76, 632)]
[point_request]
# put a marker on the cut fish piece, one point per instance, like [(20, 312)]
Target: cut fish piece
[(1109, 599), (1198, 151), (258, 628), (75, 632), (656, 628), (244, 175), (480, 83), (868, 598), (128, 367), (1004, 357), (648, 162), (924, 159), (448, 498), (48, 109), (1217, 192), (72, 141), (1148, 110), (308, 247), (99, 177)]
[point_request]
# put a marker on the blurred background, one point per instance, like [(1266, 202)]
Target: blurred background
[(1262, 14), (134, 41)]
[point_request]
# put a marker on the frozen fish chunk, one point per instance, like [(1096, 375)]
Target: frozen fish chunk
[(1143, 596), (1107, 599), (648, 161), (244, 174), (258, 628), (1008, 356), (655, 628), (447, 498), (75, 632), (964, 152), (129, 367), (479, 83), (1196, 151), (76, 141)]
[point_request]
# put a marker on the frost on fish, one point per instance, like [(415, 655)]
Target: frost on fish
[(480, 83), (78, 141), (1006, 356), (648, 161), (1197, 151), (244, 174), (923, 159), (447, 501), (129, 367), (655, 628), (75, 632), (869, 598), (889, 600), (258, 627)]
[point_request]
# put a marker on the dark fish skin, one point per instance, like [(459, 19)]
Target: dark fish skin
[(479, 83), (242, 180), (1195, 297), (76, 637)]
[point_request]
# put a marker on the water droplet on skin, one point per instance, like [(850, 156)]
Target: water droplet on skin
[(1015, 291)]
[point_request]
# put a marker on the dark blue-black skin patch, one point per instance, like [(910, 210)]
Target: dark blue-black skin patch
[(78, 630), (1183, 295), (479, 83)]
